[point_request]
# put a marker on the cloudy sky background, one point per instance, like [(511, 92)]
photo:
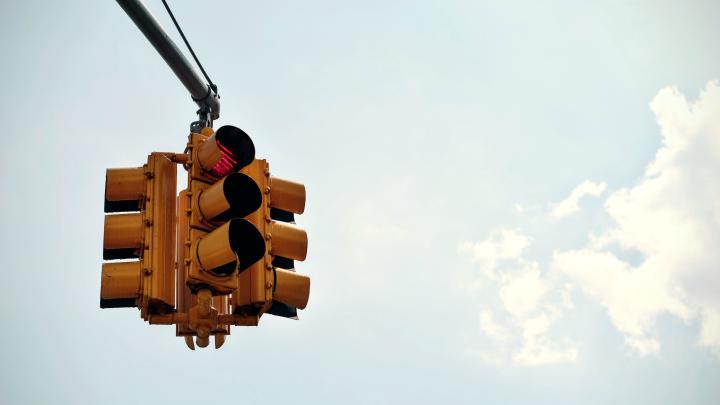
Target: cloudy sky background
[(507, 202)]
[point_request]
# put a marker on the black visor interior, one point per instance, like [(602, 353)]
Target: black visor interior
[(242, 194), (238, 143), (247, 242)]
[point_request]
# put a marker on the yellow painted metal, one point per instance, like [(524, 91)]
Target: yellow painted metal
[(287, 195), (214, 249), (159, 256), (292, 288), (198, 180), (208, 153), (288, 241), (203, 338), (189, 342), (123, 231), (207, 304), (184, 297), (180, 158), (222, 304), (198, 278), (219, 340), (212, 201), (148, 234), (254, 293), (125, 184), (203, 317), (197, 227), (260, 284), (120, 280), (239, 320)]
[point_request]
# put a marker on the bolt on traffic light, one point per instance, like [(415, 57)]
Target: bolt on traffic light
[(140, 231)]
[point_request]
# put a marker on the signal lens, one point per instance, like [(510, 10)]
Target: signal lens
[(226, 151)]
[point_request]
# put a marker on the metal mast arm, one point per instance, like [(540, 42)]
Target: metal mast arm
[(200, 91)]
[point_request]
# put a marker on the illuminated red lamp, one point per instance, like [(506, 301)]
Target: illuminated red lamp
[(227, 151)]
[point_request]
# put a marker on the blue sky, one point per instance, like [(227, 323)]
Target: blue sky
[(508, 202)]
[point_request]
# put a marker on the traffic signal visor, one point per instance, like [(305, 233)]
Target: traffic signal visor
[(235, 245)]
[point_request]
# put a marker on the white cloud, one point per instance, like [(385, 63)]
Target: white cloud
[(566, 297), (672, 218), (492, 329), (520, 292), (710, 330), (571, 204), (643, 346), (502, 244), (537, 348), (632, 297), (669, 220)]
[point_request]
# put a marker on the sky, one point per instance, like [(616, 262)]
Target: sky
[(508, 202)]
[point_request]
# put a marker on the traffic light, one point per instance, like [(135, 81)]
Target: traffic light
[(139, 237), (185, 299), (220, 253), (283, 263), (221, 243), (233, 230), (270, 285)]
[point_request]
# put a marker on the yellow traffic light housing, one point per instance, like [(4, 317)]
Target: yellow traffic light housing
[(265, 283), (140, 226), (221, 253), (221, 243), (185, 299), (235, 239)]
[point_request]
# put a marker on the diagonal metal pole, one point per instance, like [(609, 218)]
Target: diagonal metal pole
[(200, 91)]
